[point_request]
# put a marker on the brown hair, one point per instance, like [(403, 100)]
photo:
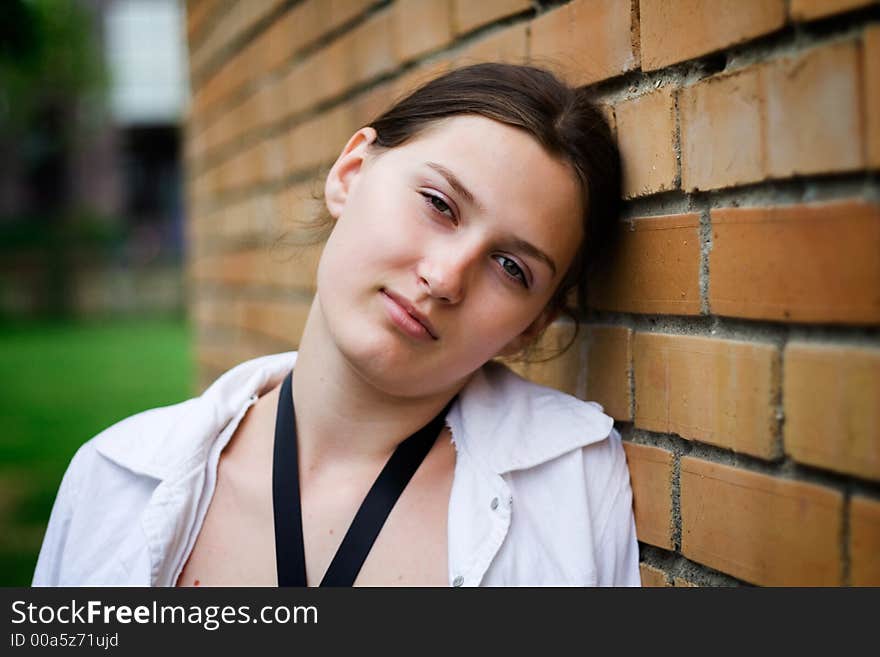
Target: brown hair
[(561, 118)]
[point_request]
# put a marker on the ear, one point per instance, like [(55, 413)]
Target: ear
[(345, 170), (531, 333)]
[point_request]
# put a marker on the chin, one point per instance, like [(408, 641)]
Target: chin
[(379, 358), (393, 367), (391, 362)]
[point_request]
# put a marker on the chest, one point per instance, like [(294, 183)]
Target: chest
[(235, 545)]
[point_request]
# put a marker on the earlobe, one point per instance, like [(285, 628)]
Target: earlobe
[(344, 171)]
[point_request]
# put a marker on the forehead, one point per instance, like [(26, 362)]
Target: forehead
[(519, 185)]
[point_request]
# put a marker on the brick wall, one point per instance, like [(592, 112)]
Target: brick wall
[(736, 340)]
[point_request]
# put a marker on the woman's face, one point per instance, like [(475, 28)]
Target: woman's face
[(469, 226)]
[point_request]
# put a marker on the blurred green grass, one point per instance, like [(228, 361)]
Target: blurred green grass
[(60, 384)]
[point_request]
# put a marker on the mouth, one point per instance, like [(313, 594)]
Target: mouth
[(407, 317)]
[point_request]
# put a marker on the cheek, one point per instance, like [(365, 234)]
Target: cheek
[(380, 226), (491, 326)]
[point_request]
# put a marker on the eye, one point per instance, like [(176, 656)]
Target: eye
[(512, 269), (437, 204)]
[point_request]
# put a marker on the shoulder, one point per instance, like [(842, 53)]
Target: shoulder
[(157, 441), (112, 478), (567, 466), (135, 441), (516, 424), (161, 441)]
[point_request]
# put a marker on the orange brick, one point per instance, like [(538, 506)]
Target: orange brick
[(808, 263), (282, 321), (609, 355), (252, 219), (420, 26), (305, 85), (231, 173), (369, 48), (864, 550), (290, 33), (261, 106), (368, 106), (814, 112), (717, 391), (318, 141), (207, 312), (207, 92), (652, 577), (269, 158), (232, 23), (303, 24), (761, 529), (306, 23), (469, 15), (349, 60), (204, 186), (222, 130), (509, 46), (721, 131), (216, 352), (655, 270), (238, 69), (296, 207), (199, 141), (650, 470), (413, 79), (337, 12), (871, 68), (231, 125), (809, 9), (563, 371), (283, 267), (675, 30), (832, 407), (214, 359), (226, 175), (609, 31), (551, 35), (197, 14), (645, 134), (586, 40)]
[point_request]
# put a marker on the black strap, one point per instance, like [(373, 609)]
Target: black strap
[(371, 516)]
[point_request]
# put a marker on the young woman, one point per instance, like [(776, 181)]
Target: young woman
[(392, 449)]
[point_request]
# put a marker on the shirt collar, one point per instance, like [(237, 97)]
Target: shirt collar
[(513, 424), (507, 422), (166, 442)]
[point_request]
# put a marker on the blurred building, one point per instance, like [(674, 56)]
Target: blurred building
[(91, 193), (145, 51)]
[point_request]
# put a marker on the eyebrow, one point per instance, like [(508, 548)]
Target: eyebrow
[(516, 243), (534, 251), (456, 184)]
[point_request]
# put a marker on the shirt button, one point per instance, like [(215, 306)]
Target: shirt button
[(458, 581), (494, 503)]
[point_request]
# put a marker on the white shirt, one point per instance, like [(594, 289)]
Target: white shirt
[(540, 494)]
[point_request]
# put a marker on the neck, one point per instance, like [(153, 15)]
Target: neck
[(341, 418)]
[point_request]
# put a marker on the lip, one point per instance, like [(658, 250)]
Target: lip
[(407, 318)]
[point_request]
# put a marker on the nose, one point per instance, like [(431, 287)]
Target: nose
[(444, 275)]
